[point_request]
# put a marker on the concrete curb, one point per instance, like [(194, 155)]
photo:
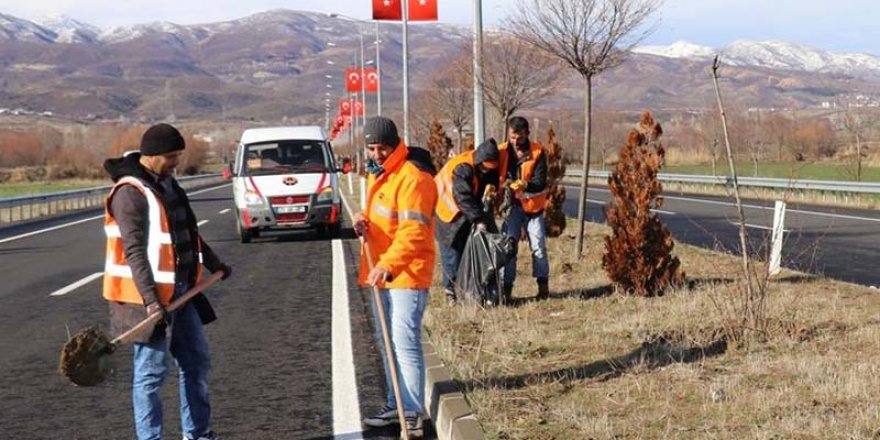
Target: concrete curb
[(450, 411)]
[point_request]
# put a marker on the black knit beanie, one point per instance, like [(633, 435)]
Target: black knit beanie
[(381, 130), (160, 139)]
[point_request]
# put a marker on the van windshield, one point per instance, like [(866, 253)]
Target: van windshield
[(285, 157)]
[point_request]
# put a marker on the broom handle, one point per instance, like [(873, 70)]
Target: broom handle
[(389, 353), (179, 301)]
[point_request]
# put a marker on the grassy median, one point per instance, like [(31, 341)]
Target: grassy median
[(590, 363)]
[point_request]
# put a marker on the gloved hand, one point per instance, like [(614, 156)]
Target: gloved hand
[(227, 271), (156, 307), (517, 185)]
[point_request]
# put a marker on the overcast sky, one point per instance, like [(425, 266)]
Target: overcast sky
[(837, 25)]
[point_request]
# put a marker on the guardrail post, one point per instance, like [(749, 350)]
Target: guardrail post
[(776, 238)]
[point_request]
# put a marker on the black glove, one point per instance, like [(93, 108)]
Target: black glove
[(227, 271), (154, 307)]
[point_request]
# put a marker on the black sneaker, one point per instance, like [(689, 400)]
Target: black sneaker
[(386, 416), (414, 425), (211, 435)]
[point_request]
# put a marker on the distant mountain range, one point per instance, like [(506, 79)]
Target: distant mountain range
[(274, 64)]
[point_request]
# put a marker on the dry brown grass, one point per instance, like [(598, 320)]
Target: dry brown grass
[(589, 363)]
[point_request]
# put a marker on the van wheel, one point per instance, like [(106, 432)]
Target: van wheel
[(244, 235)]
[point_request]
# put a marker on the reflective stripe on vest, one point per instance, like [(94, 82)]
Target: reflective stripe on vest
[(118, 279), (402, 215), (447, 209)]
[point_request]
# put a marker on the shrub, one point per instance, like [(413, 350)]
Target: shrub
[(554, 217), (638, 255)]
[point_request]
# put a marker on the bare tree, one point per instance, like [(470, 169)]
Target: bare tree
[(590, 36), (855, 125), (452, 97), (515, 76)]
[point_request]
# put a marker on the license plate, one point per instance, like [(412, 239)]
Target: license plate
[(290, 209)]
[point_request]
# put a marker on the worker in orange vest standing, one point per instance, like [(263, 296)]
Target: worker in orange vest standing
[(154, 254), (398, 227), (525, 174), (460, 187)]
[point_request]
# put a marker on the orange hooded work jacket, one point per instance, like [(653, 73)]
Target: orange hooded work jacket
[(400, 228)]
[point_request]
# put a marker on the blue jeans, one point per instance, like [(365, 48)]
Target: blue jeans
[(189, 347), (404, 309), (534, 225), (451, 258)]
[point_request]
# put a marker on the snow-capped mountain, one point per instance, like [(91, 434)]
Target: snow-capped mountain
[(774, 55), (17, 29), (69, 30), (679, 49)]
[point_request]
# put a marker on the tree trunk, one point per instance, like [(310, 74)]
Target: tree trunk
[(458, 151), (582, 203)]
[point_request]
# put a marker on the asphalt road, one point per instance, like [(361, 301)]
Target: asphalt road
[(283, 367), (840, 243)]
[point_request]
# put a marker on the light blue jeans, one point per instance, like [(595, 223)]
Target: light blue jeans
[(404, 309), (189, 347), (516, 221)]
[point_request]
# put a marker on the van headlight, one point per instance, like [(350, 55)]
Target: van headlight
[(252, 199), (326, 195)]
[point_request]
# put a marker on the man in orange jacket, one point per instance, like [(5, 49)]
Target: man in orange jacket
[(398, 229)]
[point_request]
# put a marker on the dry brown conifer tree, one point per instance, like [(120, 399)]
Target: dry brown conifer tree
[(554, 217), (638, 255), (439, 144)]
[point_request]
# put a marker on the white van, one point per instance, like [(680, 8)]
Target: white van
[(285, 178)]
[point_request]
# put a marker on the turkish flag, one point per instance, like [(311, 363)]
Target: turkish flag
[(352, 79), (371, 76), (347, 121), (344, 107), (340, 121), (422, 10), (358, 107), (387, 10)]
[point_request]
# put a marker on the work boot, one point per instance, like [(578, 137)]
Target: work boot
[(543, 289), (508, 293), (450, 297), (414, 426)]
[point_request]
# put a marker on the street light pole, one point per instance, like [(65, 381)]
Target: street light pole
[(378, 75), (405, 10), (479, 115)]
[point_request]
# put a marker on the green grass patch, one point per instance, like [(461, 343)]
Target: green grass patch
[(37, 188), (809, 171)]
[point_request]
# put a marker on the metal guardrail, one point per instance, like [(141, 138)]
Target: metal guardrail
[(762, 182), (17, 209)]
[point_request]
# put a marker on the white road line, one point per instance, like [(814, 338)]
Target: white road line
[(17, 237), (202, 222), (766, 208), (77, 285), (749, 225), (189, 194), (346, 408), (224, 211), (659, 211), (53, 228)]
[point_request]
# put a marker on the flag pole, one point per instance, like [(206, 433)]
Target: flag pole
[(479, 115), (405, 9), (378, 74), (363, 79)]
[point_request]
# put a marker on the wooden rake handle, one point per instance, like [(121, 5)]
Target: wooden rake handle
[(176, 304), (389, 352)]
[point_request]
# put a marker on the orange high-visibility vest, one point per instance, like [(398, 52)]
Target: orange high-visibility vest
[(119, 285), (447, 208), (532, 203)]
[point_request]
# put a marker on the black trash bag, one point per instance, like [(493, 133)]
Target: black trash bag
[(479, 273)]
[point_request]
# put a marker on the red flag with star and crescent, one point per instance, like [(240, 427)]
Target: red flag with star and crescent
[(371, 80), (422, 10), (345, 107), (352, 80), (387, 10), (357, 107)]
